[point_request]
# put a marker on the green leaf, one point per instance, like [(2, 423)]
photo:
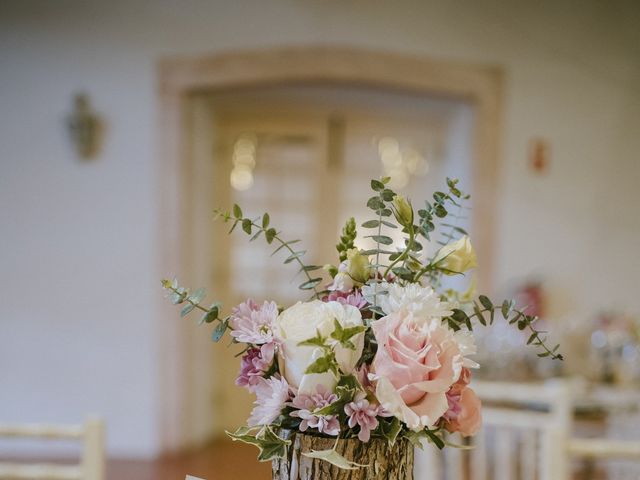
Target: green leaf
[(371, 224), (387, 195), (310, 268), (310, 284), (270, 234), (294, 256), (478, 312), (333, 458), (187, 309), (246, 226), (382, 239), (323, 364), (375, 203), (344, 335), (255, 235), (435, 439), (402, 272), (243, 435), (533, 336), (390, 430), (486, 303), (505, 310), (377, 185), (211, 315), (218, 332), (198, 295), (265, 221), (317, 341), (237, 211), (271, 445)]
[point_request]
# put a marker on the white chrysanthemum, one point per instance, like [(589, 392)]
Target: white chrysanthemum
[(422, 302)]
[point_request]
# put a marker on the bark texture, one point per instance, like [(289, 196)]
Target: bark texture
[(384, 462)]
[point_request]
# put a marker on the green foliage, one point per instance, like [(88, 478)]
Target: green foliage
[(390, 428), (270, 445), (349, 234), (261, 225), (326, 363), (317, 341), (192, 301), (487, 309), (344, 335)]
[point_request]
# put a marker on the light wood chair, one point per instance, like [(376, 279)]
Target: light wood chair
[(526, 435), (92, 463)]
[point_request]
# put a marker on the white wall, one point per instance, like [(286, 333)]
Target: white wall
[(79, 264)]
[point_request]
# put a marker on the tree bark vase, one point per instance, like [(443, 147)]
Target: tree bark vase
[(384, 462)]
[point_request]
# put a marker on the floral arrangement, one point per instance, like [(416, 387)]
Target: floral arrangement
[(383, 351)]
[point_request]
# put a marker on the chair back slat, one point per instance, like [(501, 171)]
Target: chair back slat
[(41, 431), (40, 471), (92, 463)]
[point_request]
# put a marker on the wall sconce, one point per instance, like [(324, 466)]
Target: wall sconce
[(85, 128)]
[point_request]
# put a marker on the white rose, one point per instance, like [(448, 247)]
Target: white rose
[(456, 257), (303, 321)]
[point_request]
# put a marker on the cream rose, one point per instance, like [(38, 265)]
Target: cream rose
[(303, 321), (456, 257), (417, 362)]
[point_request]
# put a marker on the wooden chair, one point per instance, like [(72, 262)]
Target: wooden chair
[(526, 436), (92, 464)]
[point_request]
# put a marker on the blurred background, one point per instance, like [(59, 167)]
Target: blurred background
[(124, 123)]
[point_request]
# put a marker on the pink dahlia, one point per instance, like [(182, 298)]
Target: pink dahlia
[(307, 404), (255, 362), (251, 323), (271, 396), (363, 414)]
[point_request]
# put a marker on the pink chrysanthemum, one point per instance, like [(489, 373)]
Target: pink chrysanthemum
[(363, 414), (353, 298), (251, 323), (307, 404), (255, 362), (271, 396)]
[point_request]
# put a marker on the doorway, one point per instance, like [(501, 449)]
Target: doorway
[(295, 131), (305, 154)]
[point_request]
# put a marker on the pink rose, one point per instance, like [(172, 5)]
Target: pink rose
[(417, 362), (464, 415)]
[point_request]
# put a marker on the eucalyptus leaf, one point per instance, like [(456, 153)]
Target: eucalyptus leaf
[(237, 211), (187, 309), (383, 239), (310, 284), (294, 256), (218, 332), (377, 185), (198, 295), (371, 224)]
